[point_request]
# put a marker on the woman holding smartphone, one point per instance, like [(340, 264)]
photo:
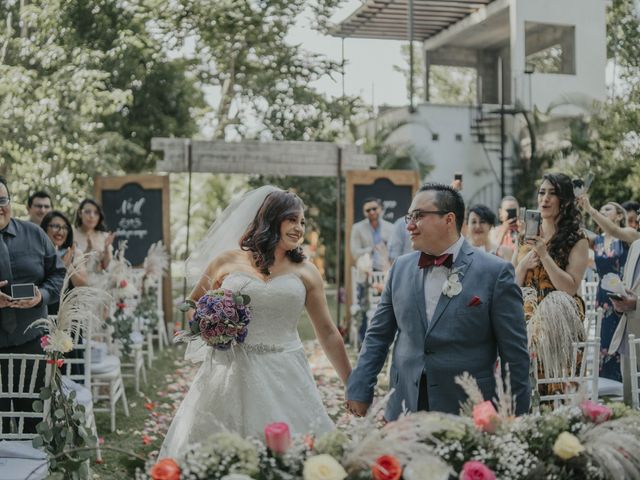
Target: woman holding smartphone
[(610, 248), (556, 258)]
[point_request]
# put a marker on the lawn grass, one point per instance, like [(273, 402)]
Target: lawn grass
[(128, 434)]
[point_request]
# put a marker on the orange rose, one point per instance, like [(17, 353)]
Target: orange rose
[(165, 469), (386, 467)]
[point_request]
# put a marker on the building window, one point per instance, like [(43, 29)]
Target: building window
[(435, 137), (458, 137), (550, 48)]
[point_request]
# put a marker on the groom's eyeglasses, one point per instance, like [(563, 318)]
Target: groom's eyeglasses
[(416, 215)]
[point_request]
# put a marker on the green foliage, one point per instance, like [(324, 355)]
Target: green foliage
[(83, 86), (605, 141), (263, 81), (64, 431), (121, 326)]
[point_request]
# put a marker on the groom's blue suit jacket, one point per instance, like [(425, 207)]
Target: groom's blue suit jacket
[(459, 338)]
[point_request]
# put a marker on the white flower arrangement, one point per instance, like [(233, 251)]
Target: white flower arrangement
[(586, 441)]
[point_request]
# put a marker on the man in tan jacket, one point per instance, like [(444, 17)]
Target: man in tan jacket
[(629, 308)]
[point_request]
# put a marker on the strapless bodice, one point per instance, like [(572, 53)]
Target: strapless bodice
[(276, 306)]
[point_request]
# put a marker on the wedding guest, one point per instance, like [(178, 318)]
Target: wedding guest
[(370, 236), (632, 208), (91, 236), (505, 236), (59, 231), (629, 310), (610, 251), (38, 205), (557, 258), (26, 256), (480, 219), (400, 243)]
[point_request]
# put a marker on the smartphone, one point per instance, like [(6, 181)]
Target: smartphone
[(615, 296), (588, 181), (21, 291), (531, 223), (457, 176), (512, 213)]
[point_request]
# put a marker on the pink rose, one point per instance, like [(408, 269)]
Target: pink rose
[(595, 412), (44, 341), (277, 437), (123, 284), (485, 417), (474, 470)]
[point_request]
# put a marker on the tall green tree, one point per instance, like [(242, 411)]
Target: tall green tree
[(83, 86)]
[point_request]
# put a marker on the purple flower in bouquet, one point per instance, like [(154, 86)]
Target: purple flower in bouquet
[(221, 318)]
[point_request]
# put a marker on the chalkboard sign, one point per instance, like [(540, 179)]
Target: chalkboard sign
[(395, 199), (136, 209), (394, 188), (135, 215)]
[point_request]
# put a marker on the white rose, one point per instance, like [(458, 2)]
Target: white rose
[(323, 467), (236, 476), (430, 468)]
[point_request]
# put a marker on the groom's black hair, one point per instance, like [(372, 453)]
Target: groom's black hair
[(448, 199)]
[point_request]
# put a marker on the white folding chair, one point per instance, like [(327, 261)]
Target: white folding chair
[(589, 291), (611, 389), (78, 379), (355, 306), (376, 280), (634, 356), (593, 322), (106, 374), (18, 458), (159, 331), (580, 378)]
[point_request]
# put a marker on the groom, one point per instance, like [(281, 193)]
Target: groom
[(442, 325)]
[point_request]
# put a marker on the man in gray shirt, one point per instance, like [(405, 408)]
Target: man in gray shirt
[(26, 256)]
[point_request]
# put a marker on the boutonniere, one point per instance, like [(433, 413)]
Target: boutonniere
[(452, 286)]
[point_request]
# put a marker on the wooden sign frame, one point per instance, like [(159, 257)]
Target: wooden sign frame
[(148, 182), (409, 178)]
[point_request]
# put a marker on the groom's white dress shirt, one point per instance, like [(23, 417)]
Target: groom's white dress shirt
[(436, 278)]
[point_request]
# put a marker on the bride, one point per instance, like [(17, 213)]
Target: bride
[(254, 249)]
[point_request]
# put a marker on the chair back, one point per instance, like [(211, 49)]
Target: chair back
[(588, 292), (18, 374), (580, 379), (80, 356), (376, 279), (593, 323), (634, 356)]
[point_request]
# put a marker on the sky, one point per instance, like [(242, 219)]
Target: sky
[(369, 69)]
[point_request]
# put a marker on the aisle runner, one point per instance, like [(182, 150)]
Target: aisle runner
[(178, 382)]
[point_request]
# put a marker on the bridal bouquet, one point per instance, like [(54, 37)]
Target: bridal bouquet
[(221, 318)]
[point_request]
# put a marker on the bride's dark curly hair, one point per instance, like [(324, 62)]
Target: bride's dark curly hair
[(263, 234), (568, 229)]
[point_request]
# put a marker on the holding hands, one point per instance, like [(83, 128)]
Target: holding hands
[(359, 409)]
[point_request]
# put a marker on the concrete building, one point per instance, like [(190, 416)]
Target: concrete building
[(526, 54)]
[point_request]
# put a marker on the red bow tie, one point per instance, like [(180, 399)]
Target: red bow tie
[(427, 260)]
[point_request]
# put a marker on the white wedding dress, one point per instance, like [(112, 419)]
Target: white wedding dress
[(266, 379)]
